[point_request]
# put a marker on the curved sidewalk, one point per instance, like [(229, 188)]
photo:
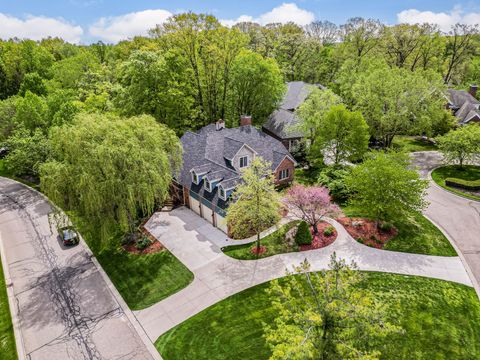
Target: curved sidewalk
[(457, 216), (193, 241)]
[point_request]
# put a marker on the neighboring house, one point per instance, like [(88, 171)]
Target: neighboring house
[(281, 123), (213, 159), (464, 105)]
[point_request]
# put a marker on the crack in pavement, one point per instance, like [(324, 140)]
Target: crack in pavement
[(63, 297)]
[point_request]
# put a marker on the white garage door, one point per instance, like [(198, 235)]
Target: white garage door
[(195, 205), (207, 213), (222, 223)]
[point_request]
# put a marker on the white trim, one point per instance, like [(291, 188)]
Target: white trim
[(286, 156), (233, 157), (471, 117), (195, 175), (220, 188), (209, 188), (287, 174), (240, 161)]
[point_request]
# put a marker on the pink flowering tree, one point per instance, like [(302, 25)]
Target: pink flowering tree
[(311, 204)]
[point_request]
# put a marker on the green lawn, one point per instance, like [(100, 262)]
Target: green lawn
[(416, 235), (7, 340), (440, 320), (142, 280), (274, 242), (411, 144), (468, 172)]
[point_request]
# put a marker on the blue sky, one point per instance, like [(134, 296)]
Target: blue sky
[(90, 20)]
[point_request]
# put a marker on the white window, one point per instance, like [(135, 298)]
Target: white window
[(243, 161), (208, 186), (283, 174), (221, 193), (195, 178)]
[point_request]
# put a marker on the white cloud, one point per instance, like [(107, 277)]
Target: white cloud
[(122, 27), (445, 20), (287, 12), (38, 27)]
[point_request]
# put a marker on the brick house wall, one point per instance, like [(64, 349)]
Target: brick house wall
[(285, 164)]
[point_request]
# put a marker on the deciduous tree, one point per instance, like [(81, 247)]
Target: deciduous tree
[(109, 169), (343, 134), (311, 204), (325, 315), (256, 205), (386, 188), (462, 145)]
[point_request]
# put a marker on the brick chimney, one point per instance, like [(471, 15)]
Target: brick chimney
[(245, 120), (473, 90), (219, 125)]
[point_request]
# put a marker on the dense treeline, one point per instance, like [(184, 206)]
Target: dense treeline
[(191, 71)]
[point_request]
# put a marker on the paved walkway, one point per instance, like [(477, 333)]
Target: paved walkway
[(64, 307), (459, 217), (193, 241)]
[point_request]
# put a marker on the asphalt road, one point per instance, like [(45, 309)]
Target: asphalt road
[(459, 217), (66, 310)]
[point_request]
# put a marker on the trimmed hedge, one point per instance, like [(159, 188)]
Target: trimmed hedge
[(463, 184), (303, 236)]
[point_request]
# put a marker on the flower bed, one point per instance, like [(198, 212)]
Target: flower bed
[(320, 240), (366, 231)]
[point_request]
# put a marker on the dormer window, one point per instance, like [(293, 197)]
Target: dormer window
[(221, 193), (194, 177), (208, 185), (243, 161)]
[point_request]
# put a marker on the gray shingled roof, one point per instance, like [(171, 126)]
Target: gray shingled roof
[(464, 105), (282, 121), (208, 149)]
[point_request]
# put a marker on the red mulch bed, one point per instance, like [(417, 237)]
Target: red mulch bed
[(153, 248), (367, 233), (260, 252), (320, 240)]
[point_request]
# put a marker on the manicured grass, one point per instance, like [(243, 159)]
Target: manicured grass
[(412, 143), (440, 321), (7, 340), (142, 280), (468, 172), (415, 235), (274, 242)]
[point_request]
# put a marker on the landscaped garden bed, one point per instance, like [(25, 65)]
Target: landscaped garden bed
[(367, 231), (464, 181), (283, 241), (439, 321), (326, 236), (416, 234)]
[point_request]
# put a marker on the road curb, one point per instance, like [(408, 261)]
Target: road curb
[(123, 305), (19, 344), (430, 178), (475, 283)]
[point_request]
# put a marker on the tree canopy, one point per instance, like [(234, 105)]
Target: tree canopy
[(109, 169), (462, 145), (385, 188)]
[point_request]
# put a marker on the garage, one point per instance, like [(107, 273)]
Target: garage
[(195, 205), (221, 223), (207, 213)]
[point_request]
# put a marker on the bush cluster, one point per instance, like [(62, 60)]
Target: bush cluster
[(303, 236), (464, 184), (328, 230)]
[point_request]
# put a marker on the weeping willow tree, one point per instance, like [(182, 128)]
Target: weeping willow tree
[(109, 169)]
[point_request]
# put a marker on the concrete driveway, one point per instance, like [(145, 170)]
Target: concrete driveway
[(458, 217), (65, 307), (194, 242)]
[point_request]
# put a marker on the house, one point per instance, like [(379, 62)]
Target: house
[(281, 123), (213, 159), (464, 105)]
